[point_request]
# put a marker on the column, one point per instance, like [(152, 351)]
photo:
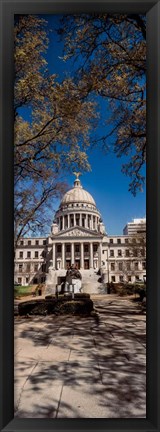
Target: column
[(54, 256), (68, 221), (100, 254), (63, 255), (82, 256), (88, 221), (80, 219), (91, 222), (74, 216), (85, 223), (62, 222), (72, 253), (91, 255)]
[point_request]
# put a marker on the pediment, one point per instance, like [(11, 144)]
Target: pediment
[(78, 232)]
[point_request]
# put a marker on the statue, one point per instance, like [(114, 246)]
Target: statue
[(73, 278), (77, 174)]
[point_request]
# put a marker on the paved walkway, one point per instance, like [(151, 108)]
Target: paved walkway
[(72, 367)]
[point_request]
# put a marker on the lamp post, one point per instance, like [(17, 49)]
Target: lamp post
[(107, 250)]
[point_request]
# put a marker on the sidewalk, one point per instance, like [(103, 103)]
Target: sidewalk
[(72, 367)]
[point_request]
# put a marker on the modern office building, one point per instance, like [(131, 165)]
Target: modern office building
[(137, 226)]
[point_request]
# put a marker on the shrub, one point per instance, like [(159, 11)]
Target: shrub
[(128, 289), (62, 305), (141, 291)]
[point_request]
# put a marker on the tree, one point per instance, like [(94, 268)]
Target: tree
[(52, 126), (136, 249), (110, 51), (137, 245)]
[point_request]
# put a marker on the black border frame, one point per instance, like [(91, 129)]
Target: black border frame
[(7, 10)]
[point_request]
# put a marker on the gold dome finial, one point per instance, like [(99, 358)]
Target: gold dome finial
[(77, 174)]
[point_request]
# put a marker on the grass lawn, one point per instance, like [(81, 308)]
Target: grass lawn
[(20, 291)]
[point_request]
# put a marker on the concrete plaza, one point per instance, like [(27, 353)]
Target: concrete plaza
[(74, 367)]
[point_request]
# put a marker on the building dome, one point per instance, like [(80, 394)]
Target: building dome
[(77, 209), (77, 195)]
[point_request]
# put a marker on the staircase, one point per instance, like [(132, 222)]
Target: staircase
[(90, 281)]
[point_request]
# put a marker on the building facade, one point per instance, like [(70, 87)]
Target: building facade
[(78, 236), (137, 226)]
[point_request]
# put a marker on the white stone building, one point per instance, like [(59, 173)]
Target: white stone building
[(78, 237)]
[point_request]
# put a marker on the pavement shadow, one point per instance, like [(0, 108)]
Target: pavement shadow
[(105, 367)]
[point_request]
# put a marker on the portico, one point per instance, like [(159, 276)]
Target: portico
[(84, 254)]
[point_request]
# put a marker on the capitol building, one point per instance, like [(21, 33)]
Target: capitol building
[(78, 236)]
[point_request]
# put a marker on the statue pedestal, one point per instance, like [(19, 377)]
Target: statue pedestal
[(51, 282), (77, 283)]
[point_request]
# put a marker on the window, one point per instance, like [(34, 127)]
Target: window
[(95, 247), (28, 267), (29, 242), (142, 252), (20, 268), (119, 241), (111, 241), (120, 265), (129, 278), (144, 265), (19, 280), (28, 254), (21, 243), (85, 248), (72, 222), (36, 267), (112, 266), (111, 252), (59, 248), (136, 265), (36, 254), (137, 278), (113, 279), (35, 281), (68, 248), (119, 252), (121, 278), (44, 242), (126, 240), (76, 248), (37, 242), (20, 254), (127, 252), (27, 280), (128, 266)]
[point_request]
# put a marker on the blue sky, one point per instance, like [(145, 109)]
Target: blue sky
[(105, 182)]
